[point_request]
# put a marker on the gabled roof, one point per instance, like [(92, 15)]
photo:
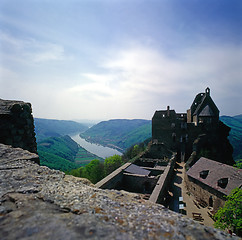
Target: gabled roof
[(216, 172), (134, 169), (204, 103), (207, 112)]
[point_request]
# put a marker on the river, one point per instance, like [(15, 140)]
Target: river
[(96, 149)]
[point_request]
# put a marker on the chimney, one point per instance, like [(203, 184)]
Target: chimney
[(207, 91), (168, 111)]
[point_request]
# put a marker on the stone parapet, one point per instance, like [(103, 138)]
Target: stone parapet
[(39, 203), (17, 125)]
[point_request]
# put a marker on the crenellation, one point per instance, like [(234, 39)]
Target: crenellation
[(17, 125)]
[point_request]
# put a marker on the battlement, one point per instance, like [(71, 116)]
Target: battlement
[(17, 125)]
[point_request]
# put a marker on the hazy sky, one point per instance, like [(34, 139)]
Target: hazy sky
[(103, 59)]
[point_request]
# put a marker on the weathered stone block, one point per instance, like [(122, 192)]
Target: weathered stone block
[(15, 117), (39, 203)]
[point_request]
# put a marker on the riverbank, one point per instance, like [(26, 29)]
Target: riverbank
[(97, 149), (99, 142)]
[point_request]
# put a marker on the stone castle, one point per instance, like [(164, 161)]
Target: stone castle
[(199, 131), (39, 203), (181, 137)]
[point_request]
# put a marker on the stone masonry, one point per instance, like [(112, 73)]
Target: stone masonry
[(39, 203), (17, 125)]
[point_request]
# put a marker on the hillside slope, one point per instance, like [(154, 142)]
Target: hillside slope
[(121, 133), (235, 135), (45, 128), (62, 153)]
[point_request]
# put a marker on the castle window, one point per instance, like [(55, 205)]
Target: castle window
[(203, 174), (174, 137), (222, 182)]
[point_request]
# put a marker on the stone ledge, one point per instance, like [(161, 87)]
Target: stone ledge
[(39, 203)]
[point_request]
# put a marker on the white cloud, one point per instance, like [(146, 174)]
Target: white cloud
[(137, 79), (29, 50), (131, 82)]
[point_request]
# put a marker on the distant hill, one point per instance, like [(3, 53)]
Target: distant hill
[(45, 128), (235, 135), (62, 153), (238, 117), (122, 133)]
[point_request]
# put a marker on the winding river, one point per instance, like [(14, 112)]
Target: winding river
[(96, 149)]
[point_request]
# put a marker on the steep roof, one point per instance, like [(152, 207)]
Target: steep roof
[(207, 112), (203, 105), (216, 171)]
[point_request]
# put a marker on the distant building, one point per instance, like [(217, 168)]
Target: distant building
[(179, 131), (210, 181)]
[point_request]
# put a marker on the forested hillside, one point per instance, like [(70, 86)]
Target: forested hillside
[(45, 128), (125, 133), (121, 133), (63, 153), (235, 135)]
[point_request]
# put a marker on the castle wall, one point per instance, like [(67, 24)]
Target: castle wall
[(138, 183), (114, 179), (17, 125), (163, 184), (203, 192)]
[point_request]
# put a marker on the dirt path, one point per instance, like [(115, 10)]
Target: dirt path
[(178, 189)]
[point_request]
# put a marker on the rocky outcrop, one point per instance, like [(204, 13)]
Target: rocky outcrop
[(39, 203), (17, 125)]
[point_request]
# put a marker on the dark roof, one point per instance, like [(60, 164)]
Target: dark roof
[(207, 112), (134, 169), (205, 105), (217, 171)]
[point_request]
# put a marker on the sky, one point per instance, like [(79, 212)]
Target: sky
[(109, 59)]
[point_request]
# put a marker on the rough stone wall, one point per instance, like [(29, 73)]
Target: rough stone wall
[(17, 125), (138, 183), (212, 144), (201, 191), (39, 203)]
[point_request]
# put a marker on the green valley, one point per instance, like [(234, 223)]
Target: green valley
[(122, 133), (45, 128), (62, 153)]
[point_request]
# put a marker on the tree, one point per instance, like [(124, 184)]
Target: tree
[(238, 164), (229, 216), (112, 163), (93, 171)]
